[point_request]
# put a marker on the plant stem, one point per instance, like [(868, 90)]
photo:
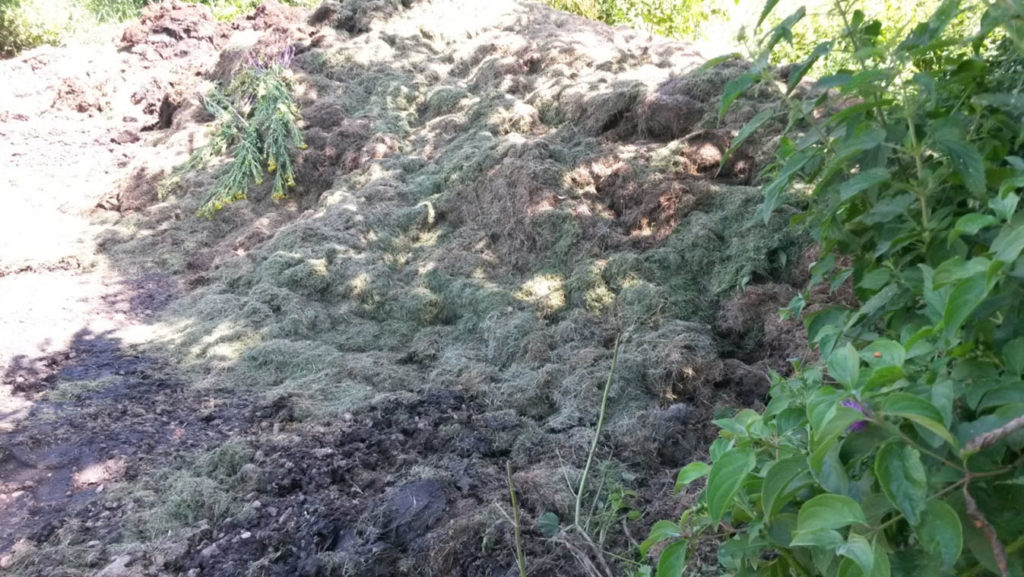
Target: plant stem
[(982, 523), (597, 435), (992, 437), (920, 189), (1010, 549), (520, 558)]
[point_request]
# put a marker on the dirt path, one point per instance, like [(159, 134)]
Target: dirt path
[(79, 407)]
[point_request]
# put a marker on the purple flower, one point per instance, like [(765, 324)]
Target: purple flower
[(858, 425), (263, 62), (284, 60), (255, 62)]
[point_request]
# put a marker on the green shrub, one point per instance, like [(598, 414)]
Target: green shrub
[(26, 24), (901, 453), (231, 9), (115, 10), (256, 123), (822, 22), (673, 18)]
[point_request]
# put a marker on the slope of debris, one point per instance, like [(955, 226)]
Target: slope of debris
[(493, 196)]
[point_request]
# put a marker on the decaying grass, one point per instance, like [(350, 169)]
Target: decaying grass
[(486, 202)]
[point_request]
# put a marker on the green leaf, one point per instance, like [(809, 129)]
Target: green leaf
[(884, 353), (549, 525), (966, 296), (970, 224), (719, 447), (780, 531), (996, 395), (968, 430), (661, 531), (709, 64), (934, 298), (1004, 205), (748, 129), (877, 301), (956, 269), (821, 406), (801, 70), (943, 397), (838, 280), (844, 365), (858, 550), (827, 468), (822, 268), (727, 474), (929, 31), (1011, 184), (826, 538), (1018, 480), (734, 88), (883, 376), (899, 471), (861, 182), (829, 81), (779, 487), (888, 208), (1013, 356), (765, 11), (1009, 102), (836, 425), (919, 411), (782, 31), (1009, 242), (872, 79), (691, 473), (941, 533), (772, 191), (967, 160), (827, 511), (875, 279), (881, 567), (860, 142), (672, 562)]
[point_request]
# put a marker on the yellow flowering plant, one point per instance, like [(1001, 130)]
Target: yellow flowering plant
[(256, 123)]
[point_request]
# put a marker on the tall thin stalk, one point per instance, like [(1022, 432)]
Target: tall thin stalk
[(597, 435), (520, 557)]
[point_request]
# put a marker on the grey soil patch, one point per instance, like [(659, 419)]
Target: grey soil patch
[(62, 455)]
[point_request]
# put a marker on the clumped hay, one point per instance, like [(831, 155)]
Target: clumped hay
[(679, 360), (225, 462), (543, 486), (598, 109), (191, 499), (275, 362), (442, 100), (669, 436), (356, 16), (485, 211), (587, 286)]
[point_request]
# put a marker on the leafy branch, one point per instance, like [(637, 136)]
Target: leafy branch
[(892, 456), (256, 124)]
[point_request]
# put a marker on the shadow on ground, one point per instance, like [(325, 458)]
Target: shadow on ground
[(101, 414)]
